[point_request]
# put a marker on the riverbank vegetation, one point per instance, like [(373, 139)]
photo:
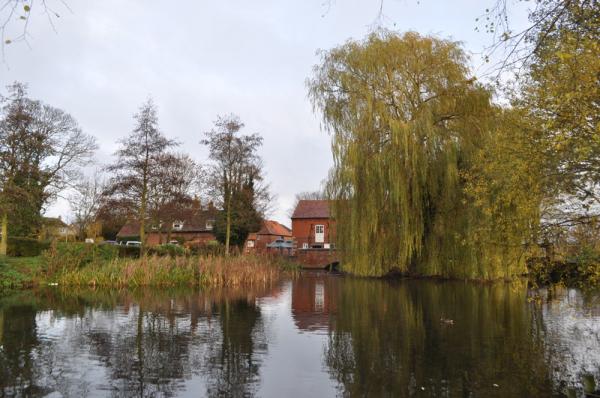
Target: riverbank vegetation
[(432, 176), (72, 264)]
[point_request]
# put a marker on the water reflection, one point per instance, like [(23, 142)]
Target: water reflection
[(314, 299), (318, 334)]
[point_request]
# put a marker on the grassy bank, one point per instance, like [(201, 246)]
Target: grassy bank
[(210, 271), (20, 272)]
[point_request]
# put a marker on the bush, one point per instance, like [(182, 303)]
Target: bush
[(64, 255), (25, 247), (210, 248), (581, 268), (128, 251), (167, 250)]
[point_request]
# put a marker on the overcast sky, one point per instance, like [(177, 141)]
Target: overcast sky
[(200, 59)]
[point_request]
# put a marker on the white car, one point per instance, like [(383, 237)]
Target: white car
[(133, 243)]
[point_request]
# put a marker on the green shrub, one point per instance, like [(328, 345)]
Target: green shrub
[(210, 248), (74, 255), (581, 268), (25, 247), (167, 250), (128, 251)]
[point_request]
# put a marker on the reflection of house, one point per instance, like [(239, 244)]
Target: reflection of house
[(269, 232), (312, 225), (56, 228), (196, 228), (314, 301)]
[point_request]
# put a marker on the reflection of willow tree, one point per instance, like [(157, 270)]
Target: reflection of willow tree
[(233, 366), (390, 340)]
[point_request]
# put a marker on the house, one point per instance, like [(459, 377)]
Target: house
[(194, 229), (269, 232), (56, 228), (312, 225)]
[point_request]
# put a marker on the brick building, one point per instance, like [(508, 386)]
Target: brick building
[(312, 225), (195, 229), (269, 232)]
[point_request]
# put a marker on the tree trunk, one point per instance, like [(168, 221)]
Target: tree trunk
[(228, 227), (143, 224), (4, 239)]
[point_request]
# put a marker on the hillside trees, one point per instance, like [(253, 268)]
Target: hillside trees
[(407, 122), (41, 151), (235, 179)]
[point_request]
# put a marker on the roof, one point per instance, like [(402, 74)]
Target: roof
[(251, 236), (132, 228), (312, 209), (270, 227), (194, 223), (53, 222)]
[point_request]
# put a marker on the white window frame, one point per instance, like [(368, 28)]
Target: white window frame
[(250, 243), (305, 245), (320, 234)]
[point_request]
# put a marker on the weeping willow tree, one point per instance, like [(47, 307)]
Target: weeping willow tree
[(408, 122)]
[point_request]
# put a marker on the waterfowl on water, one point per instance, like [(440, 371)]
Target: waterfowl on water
[(447, 321)]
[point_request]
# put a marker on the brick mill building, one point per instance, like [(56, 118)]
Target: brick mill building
[(312, 225)]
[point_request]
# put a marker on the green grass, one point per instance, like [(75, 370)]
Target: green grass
[(19, 272)]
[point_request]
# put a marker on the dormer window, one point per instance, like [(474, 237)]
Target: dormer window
[(178, 225), (210, 224)]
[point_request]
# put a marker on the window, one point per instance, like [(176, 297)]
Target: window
[(178, 225), (210, 224), (305, 245), (319, 233), (250, 243)]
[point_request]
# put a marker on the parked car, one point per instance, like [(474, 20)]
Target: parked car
[(109, 242), (281, 244), (133, 243)]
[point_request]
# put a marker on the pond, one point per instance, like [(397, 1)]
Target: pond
[(316, 335)]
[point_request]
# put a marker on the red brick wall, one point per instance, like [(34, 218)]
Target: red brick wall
[(303, 230), (316, 258)]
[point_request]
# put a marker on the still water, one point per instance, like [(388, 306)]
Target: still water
[(318, 335)]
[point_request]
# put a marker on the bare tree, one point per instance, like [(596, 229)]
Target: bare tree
[(175, 184), (41, 152), (235, 166), (137, 160), (309, 195), (85, 202), (16, 17)]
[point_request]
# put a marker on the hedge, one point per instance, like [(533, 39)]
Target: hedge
[(25, 247)]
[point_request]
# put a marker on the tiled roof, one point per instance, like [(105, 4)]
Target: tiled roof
[(194, 223), (54, 222), (251, 236), (274, 228), (130, 229), (312, 209)]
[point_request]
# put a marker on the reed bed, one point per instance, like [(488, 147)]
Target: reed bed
[(210, 271)]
